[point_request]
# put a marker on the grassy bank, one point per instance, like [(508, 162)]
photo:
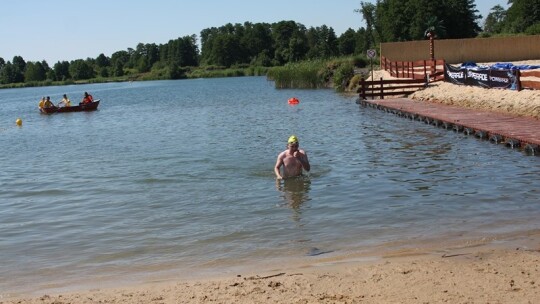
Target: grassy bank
[(334, 73)]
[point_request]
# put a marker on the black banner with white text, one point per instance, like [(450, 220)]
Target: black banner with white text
[(486, 78)]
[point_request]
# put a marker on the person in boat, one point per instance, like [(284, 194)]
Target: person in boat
[(87, 98), (65, 102), (41, 102), (48, 103), (293, 160)]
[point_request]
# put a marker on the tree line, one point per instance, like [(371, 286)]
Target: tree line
[(523, 16), (276, 44), (255, 44)]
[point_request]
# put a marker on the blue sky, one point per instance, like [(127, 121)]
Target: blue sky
[(54, 30)]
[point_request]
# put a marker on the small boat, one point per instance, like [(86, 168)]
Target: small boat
[(78, 108)]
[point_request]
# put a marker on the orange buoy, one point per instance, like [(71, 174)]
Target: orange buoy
[(294, 100)]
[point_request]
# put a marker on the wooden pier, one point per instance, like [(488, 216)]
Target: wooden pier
[(512, 131)]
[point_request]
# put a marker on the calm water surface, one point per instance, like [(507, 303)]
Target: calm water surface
[(176, 178)]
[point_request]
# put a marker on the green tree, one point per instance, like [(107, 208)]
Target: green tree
[(10, 74), (521, 15), (362, 42), (263, 59), (61, 71), (81, 69), (403, 20), (118, 69), (35, 72), (176, 72), (422, 11), (393, 17), (494, 20), (347, 42), (223, 46), (189, 51), (283, 33), (460, 19), (368, 12), (118, 61), (19, 65), (143, 64), (256, 39), (182, 51), (322, 42), (144, 56), (102, 61), (104, 72)]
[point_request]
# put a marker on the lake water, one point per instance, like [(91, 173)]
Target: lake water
[(175, 179)]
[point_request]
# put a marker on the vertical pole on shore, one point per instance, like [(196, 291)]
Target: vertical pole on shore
[(371, 64)]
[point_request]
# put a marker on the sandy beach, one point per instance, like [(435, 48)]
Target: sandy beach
[(475, 272), (501, 270), (521, 103)]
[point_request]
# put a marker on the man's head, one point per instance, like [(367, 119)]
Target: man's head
[(293, 141)]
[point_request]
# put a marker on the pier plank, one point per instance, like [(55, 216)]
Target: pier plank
[(509, 127)]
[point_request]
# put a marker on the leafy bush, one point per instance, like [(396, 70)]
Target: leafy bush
[(533, 29), (360, 61), (342, 75)]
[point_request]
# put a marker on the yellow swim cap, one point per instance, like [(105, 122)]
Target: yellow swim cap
[(292, 139)]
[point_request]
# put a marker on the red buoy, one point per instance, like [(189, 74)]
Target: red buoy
[(294, 100)]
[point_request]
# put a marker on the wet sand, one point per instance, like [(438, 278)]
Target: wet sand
[(473, 272)]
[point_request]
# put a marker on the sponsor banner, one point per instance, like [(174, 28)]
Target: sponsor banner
[(503, 79), (486, 78), (454, 75), (479, 78)]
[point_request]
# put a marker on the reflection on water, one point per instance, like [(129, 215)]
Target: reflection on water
[(295, 192)]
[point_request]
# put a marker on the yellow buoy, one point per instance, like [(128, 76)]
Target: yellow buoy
[(18, 122)]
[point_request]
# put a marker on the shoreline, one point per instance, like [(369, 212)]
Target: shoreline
[(503, 268)]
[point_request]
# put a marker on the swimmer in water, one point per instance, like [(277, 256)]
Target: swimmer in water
[(293, 160)]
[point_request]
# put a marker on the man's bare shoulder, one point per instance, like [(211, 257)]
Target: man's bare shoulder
[(282, 154)]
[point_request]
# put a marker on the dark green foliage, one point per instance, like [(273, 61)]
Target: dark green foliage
[(322, 43), (523, 16), (434, 27), (35, 72), (103, 61), (359, 61), (405, 20), (368, 12), (9, 74), (80, 70), (494, 20), (533, 29), (19, 64), (61, 71), (176, 72), (347, 42), (104, 72), (343, 73)]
